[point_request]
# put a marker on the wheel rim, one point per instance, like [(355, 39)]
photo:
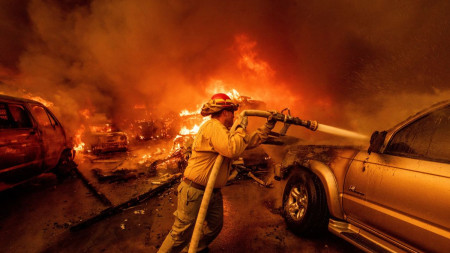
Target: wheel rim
[(297, 203)]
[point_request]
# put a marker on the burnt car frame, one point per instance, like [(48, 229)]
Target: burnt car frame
[(393, 197), (105, 138), (32, 141)]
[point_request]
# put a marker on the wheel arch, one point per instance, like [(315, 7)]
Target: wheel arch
[(329, 183), (70, 152)]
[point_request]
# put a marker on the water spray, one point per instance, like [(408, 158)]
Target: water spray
[(341, 132), (288, 120)]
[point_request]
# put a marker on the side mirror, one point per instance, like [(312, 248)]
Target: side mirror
[(376, 141)]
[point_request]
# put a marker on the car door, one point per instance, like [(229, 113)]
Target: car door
[(408, 185), (20, 147), (52, 135), (355, 188)]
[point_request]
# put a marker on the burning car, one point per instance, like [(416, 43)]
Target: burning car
[(154, 129), (105, 138), (391, 198), (143, 125), (32, 141)]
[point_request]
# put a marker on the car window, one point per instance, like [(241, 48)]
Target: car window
[(20, 116), (426, 138), (4, 118), (440, 141), (52, 119), (41, 116)]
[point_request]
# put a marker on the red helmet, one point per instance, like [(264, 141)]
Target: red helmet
[(218, 102)]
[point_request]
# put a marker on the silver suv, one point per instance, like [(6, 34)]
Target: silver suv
[(394, 197)]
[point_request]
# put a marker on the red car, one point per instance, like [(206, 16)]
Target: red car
[(32, 141)]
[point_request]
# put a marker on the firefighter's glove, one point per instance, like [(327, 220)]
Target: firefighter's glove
[(243, 122), (270, 124)]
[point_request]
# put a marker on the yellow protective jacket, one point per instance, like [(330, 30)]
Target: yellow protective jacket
[(212, 139)]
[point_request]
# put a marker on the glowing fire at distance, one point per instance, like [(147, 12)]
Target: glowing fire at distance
[(186, 131), (190, 113), (145, 158), (234, 95), (85, 113), (191, 123), (79, 145), (107, 128)]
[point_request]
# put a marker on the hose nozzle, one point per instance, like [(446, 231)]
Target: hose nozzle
[(312, 125), (285, 118)]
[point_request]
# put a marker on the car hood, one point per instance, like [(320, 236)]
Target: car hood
[(301, 154)]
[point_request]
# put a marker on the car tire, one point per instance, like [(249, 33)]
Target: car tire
[(65, 165), (304, 204)]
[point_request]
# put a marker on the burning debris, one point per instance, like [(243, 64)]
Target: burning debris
[(100, 138), (151, 128), (254, 163), (157, 164), (108, 141)]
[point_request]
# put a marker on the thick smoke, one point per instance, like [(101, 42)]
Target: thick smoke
[(354, 64)]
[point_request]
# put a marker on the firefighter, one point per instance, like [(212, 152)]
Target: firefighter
[(212, 139)]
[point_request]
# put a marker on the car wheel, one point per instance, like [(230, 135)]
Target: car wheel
[(65, 165), (304, 204)]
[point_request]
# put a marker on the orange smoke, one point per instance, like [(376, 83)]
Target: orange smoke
[(249, 59)]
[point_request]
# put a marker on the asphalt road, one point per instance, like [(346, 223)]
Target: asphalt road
[(37, 217)]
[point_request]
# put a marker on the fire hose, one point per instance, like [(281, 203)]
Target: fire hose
[(286, 118)]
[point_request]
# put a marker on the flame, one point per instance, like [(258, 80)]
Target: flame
[(191, 116), (234, 95), (186, 112), (185, 131), (85, 113), (107, 128), (249, 57), (193, 130), (218, 86), (39, 99), (79, 145), (145, 158)]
